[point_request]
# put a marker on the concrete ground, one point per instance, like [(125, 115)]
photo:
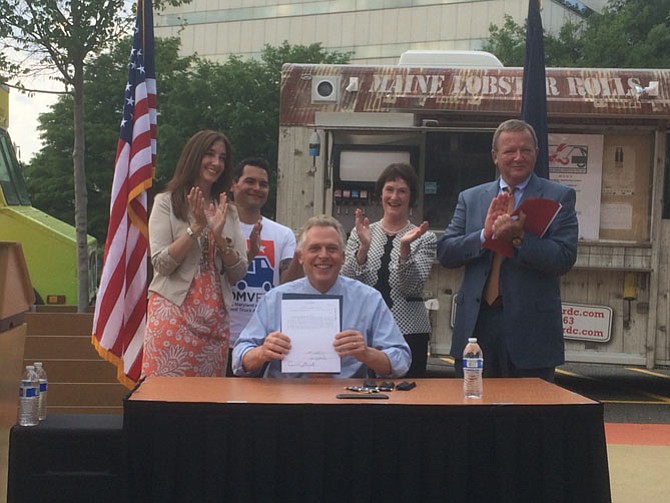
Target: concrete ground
[(639, 473)]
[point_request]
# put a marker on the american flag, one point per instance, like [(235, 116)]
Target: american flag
[(120, 309)]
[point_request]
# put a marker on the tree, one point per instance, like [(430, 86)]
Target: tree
[(263, 103), (49, 174), (239, 97), (627, 34), (565, 49), (63, 34), (508, 43)]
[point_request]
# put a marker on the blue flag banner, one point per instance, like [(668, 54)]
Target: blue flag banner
[(534, 98)]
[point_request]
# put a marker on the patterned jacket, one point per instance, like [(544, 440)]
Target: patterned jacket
[(406, 278)]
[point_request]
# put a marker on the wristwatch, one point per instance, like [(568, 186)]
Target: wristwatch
[(191, 234), (517, 240)]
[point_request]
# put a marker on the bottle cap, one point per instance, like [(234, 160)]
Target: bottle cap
[(38, 364), (30, 367)]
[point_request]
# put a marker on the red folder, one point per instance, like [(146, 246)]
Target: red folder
[(540, 213)]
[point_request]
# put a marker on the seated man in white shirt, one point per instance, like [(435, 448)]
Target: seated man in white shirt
[(370, 340)]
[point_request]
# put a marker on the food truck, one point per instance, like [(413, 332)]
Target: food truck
[(340, 125), (49, 245)]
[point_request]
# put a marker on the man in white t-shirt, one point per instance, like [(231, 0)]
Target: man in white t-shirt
[(271, 246)]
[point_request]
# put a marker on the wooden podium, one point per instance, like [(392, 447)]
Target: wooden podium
[(16, 297)]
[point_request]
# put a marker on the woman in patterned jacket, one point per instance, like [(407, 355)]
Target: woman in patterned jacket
[(395, 256)]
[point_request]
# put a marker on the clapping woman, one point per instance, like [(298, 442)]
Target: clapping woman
[(395, 256), (197, 251)]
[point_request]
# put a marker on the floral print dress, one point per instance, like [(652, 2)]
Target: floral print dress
[(191, 339)]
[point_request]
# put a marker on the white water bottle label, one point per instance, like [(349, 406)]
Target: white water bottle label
[(473, 363)]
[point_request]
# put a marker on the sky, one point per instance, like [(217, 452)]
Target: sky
[(23, 112)]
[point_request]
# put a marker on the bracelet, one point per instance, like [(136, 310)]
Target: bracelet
[(228, 247)]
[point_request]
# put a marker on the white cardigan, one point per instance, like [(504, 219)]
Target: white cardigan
[(173, 279)]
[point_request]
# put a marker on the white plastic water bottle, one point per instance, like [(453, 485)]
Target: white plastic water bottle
[(29, 396), (44, 388), (473, 367)]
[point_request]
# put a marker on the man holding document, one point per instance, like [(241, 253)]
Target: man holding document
[(510, 297), (323, 323)]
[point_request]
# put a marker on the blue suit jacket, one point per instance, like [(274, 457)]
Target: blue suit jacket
[(529, 281)]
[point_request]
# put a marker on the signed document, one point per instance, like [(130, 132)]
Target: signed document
[(311, 321)]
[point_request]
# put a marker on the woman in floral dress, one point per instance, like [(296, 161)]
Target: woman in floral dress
[(198, 252)]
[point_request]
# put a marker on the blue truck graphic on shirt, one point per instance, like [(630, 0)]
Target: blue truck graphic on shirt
[(259, 275)]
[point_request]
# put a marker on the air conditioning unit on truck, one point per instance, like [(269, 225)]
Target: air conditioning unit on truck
[(49, 245), (608, 135)]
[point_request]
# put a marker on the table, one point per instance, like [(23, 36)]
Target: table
[(276, 440)]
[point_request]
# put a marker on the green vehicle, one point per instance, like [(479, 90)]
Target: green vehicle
[(49, 245)]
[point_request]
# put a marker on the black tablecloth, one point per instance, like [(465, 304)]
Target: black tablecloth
[(68, 458), (373, 453)]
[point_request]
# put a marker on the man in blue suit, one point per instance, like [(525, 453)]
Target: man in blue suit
[(520, 326)]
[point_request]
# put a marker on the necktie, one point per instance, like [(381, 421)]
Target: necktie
[(492, 287)]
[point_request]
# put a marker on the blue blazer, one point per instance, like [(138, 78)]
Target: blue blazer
[(529, 281)]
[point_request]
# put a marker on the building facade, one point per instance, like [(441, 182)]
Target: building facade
[(376, 31)]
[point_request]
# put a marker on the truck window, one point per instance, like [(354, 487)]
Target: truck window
[(454, 161), (11, 178)]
